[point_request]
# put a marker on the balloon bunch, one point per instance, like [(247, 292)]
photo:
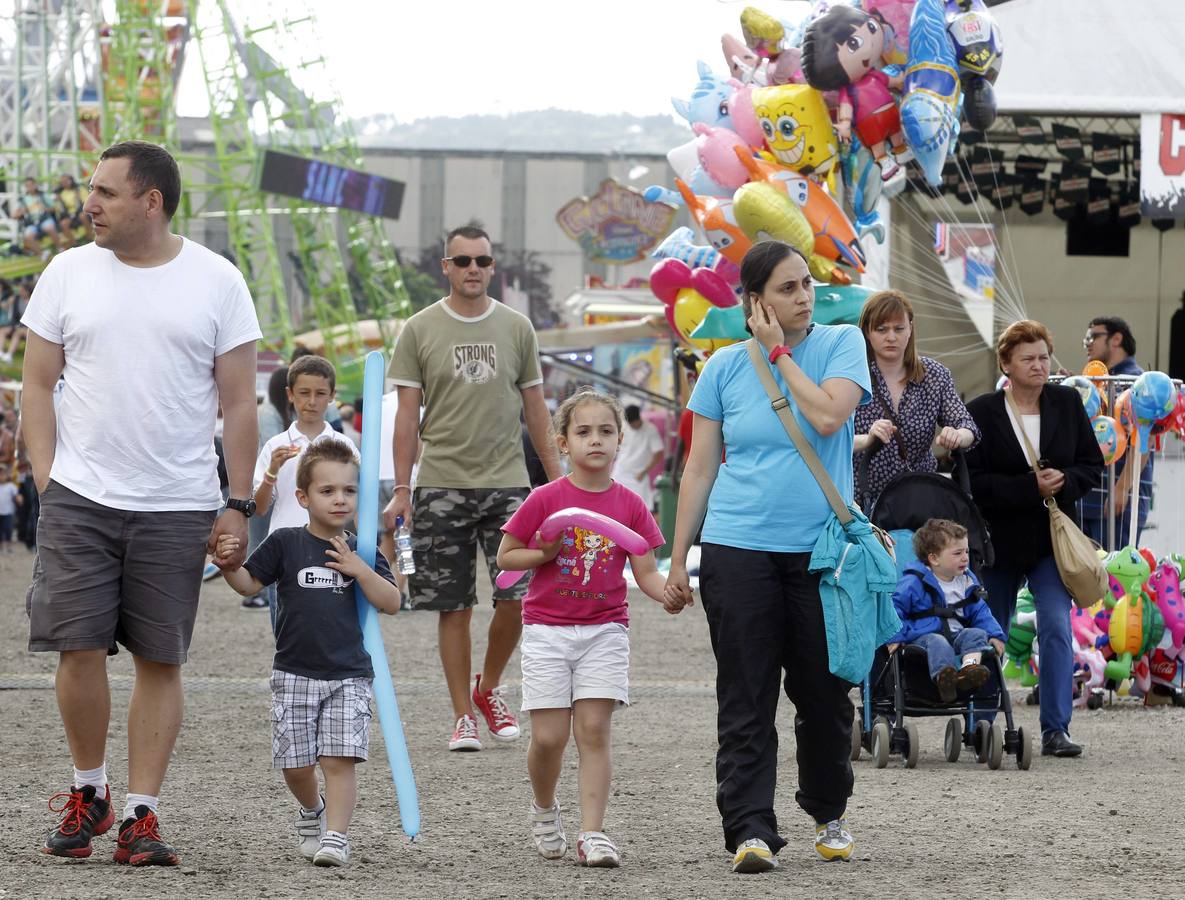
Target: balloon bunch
[(1135, 634), (1150, 408), (1141, 623), (837, 99), (814, 115)]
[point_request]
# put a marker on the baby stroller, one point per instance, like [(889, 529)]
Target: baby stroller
[(899, 684)]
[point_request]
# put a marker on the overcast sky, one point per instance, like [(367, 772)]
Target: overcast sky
[(414, 59)]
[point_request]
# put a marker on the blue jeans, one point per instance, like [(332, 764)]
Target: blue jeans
[(1053, 603), (941, 653)]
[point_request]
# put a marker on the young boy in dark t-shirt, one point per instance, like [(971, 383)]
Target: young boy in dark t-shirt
[(321, 675)]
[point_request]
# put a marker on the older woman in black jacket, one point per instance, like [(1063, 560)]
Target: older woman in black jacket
[(1011, 497)]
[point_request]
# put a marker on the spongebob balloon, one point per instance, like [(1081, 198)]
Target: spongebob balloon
[(797, 127)]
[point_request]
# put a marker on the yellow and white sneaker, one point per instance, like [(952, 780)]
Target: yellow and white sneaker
[(753, 856), (833, 840)]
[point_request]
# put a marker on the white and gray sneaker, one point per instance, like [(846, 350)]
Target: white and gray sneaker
[(753, 856), (547, 830), (833, 840), (595, 850), (334, 850), (310, 828)]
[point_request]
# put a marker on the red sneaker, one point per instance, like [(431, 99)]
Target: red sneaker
[(492, 705), (83, 816), (140, 842)]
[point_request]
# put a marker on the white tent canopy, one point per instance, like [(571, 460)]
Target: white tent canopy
[(1117, 57)]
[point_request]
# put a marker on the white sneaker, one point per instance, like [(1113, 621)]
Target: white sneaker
[(595, 850), (334, 850), (465, 735), (753, 856), (547, 829), (833, 840), (310, 828)]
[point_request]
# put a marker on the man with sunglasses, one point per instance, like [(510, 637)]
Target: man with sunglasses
[(473, 364), (1109, 340)]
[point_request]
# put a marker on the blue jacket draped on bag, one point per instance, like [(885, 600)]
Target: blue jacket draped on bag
[(856, 589)]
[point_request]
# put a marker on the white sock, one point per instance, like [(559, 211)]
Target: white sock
[(972, 659), (96, 778), (134, 800), (316, 810), (335, 834)]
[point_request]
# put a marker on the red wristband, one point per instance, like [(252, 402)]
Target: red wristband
[(780, 350)]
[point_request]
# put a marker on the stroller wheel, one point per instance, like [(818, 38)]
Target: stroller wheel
[(857, 735), (995, 746), (880, 744), (1095, 699), (1024, 750), (1034, 697), (912, 745), (952, 741), (982, 729)]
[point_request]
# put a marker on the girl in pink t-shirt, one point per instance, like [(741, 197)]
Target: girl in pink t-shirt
[(575, 649)]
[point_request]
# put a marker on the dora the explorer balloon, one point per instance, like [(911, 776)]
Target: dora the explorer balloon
[(841, 51)]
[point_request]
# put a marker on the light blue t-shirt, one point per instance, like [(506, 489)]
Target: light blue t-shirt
[(765, 497)]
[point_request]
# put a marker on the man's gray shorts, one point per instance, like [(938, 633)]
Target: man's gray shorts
[(103, 575)]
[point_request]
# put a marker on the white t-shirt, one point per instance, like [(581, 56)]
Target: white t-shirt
[(286, 509), (953, 592), (1032, 430), (638, 446), (136, 421), (8, 495)]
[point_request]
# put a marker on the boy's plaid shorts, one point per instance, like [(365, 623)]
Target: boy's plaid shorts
[(313, 718)]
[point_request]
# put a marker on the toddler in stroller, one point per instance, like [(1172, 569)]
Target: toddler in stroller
[(901, 684), (942, 610)]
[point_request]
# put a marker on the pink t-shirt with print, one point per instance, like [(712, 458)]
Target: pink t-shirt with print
[(584, 584)]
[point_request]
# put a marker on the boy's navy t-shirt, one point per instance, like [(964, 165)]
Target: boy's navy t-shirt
[(317, 630)]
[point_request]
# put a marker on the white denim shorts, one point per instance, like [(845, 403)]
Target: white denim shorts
[(565, 663)]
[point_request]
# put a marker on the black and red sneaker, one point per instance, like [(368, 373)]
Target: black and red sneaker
[(83, 816), (140, 843)]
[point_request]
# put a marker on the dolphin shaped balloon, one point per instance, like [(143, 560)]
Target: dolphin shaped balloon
[(929, 107)]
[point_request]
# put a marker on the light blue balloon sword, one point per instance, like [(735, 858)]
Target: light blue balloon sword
[(368, 616)]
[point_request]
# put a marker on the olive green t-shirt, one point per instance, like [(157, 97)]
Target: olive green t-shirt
[(471, 372)]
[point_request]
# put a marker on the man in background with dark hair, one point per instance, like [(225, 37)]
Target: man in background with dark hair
[(1109, 340), (151, 332)]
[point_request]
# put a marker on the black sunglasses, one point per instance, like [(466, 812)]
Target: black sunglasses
[(462, 262)]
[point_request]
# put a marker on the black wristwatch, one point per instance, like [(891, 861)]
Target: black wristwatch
[(246, 507)]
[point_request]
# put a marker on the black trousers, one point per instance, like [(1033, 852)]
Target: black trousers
[(765, 616)]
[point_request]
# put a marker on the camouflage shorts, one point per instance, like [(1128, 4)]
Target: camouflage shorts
[(447, 525)]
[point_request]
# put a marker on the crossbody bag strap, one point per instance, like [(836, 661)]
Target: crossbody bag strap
[(781, 406), (1020, 426)]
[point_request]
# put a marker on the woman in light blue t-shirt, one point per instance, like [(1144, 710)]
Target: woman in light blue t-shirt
[(764, 512)]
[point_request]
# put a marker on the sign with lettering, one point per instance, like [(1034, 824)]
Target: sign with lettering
[(617, 225), (1162, 170)]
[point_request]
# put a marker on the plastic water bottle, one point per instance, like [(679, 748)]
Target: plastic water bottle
[(404, 559)]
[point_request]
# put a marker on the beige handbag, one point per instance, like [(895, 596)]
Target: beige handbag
[(1076, 556)]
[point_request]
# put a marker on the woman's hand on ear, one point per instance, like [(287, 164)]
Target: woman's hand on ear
[(765, 326)]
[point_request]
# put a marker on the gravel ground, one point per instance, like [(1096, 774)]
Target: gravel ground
[(1111, 823)]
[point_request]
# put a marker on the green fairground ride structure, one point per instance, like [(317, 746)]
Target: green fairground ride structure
[(78, 75)]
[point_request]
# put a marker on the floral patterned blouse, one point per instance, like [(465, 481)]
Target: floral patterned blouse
[(924, 407)]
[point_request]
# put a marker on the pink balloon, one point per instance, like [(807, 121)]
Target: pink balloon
[(714, 146), (744, 119), (713, 288), (573, 516), (668, 277)]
